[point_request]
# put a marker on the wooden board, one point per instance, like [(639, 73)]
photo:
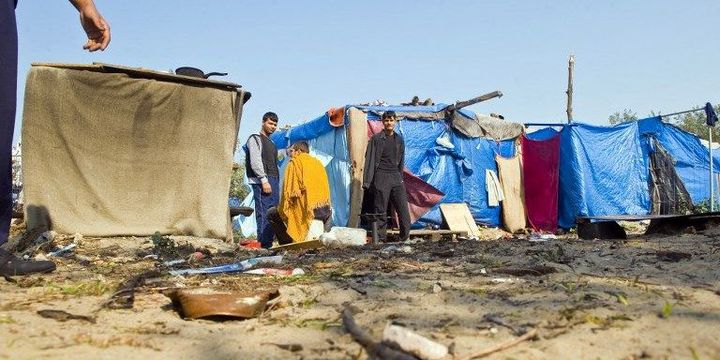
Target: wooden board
[(312, 244), (458, 218), (145, 73), (432, 234)]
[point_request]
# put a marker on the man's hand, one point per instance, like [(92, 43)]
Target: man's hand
[(267, 189), (95, 26)]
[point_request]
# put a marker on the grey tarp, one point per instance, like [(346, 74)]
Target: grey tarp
[(108, 154)]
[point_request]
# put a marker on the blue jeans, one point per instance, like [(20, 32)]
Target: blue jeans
[(263, 203), (8, 88)]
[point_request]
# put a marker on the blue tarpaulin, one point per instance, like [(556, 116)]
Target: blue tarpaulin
[(692, 158), (458, 172), (329, 145), (604, 170)]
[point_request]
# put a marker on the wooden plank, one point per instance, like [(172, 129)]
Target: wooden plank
[(145, 73), (421, 232), (458, 218), (159, 75), (304, 245), (357, 141)]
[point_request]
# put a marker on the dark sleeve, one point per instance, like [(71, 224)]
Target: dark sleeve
[(401, 163), (369, 169)]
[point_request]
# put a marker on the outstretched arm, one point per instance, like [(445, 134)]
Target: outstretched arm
[(95, 26)]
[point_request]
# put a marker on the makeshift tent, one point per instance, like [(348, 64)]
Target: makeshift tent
[(437, 152), (606, 170)]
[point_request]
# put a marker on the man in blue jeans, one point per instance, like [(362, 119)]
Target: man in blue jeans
[(263, 175), (98, 33)]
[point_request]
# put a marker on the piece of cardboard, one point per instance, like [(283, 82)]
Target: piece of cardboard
[(459, 218)]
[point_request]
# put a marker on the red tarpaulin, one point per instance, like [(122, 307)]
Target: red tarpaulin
[(541, 175)]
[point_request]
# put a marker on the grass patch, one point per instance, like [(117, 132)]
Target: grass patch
[(667, 310), (84, 288), (300, 279), (424, 287), (478, 291), (606, 322), (6, 319)]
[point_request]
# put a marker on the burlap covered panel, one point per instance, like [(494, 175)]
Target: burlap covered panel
[(107, 154)]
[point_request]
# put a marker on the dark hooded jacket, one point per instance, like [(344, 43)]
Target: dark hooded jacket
[(374, 152)]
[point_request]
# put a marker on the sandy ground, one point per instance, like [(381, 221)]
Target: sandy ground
[(587, 299)]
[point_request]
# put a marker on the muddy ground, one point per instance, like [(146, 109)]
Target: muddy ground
[(646, 297)]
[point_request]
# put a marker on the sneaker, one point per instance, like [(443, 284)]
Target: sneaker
[(11, 265)]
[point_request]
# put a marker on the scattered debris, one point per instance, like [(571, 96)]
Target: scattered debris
[(502, 346), (413, 343), (276, 272), (405, 249), (537, 237), (673, 256), (344, 236), (303, 245), (124, 297), (204, 303), (537, 270), (63, 316), (436, 288), (62, 250), (229, 268), (288, 347), (373, 348), (498, 320)]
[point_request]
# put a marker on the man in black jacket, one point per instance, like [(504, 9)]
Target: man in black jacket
[(384, 163)]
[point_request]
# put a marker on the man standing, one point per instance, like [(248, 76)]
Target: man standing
[(263, 175), (305, 196), (98, 33), (384, 163)]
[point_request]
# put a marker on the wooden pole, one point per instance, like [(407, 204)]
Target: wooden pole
[(712, 190), (569, 92)]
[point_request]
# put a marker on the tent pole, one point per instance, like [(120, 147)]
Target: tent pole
[(712, 190), (569, 92), (681, 112)]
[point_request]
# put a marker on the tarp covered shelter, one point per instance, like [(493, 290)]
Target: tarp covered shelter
[(455, 165), (605, 170), (110, 150)]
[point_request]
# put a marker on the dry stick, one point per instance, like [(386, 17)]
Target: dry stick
[(374, 349), (508, 344)]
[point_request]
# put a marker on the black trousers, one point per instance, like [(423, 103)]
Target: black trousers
[(388, 191), (8, 88), (280, 229)]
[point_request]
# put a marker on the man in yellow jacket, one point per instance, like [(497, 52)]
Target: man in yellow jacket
[(305, 196)]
